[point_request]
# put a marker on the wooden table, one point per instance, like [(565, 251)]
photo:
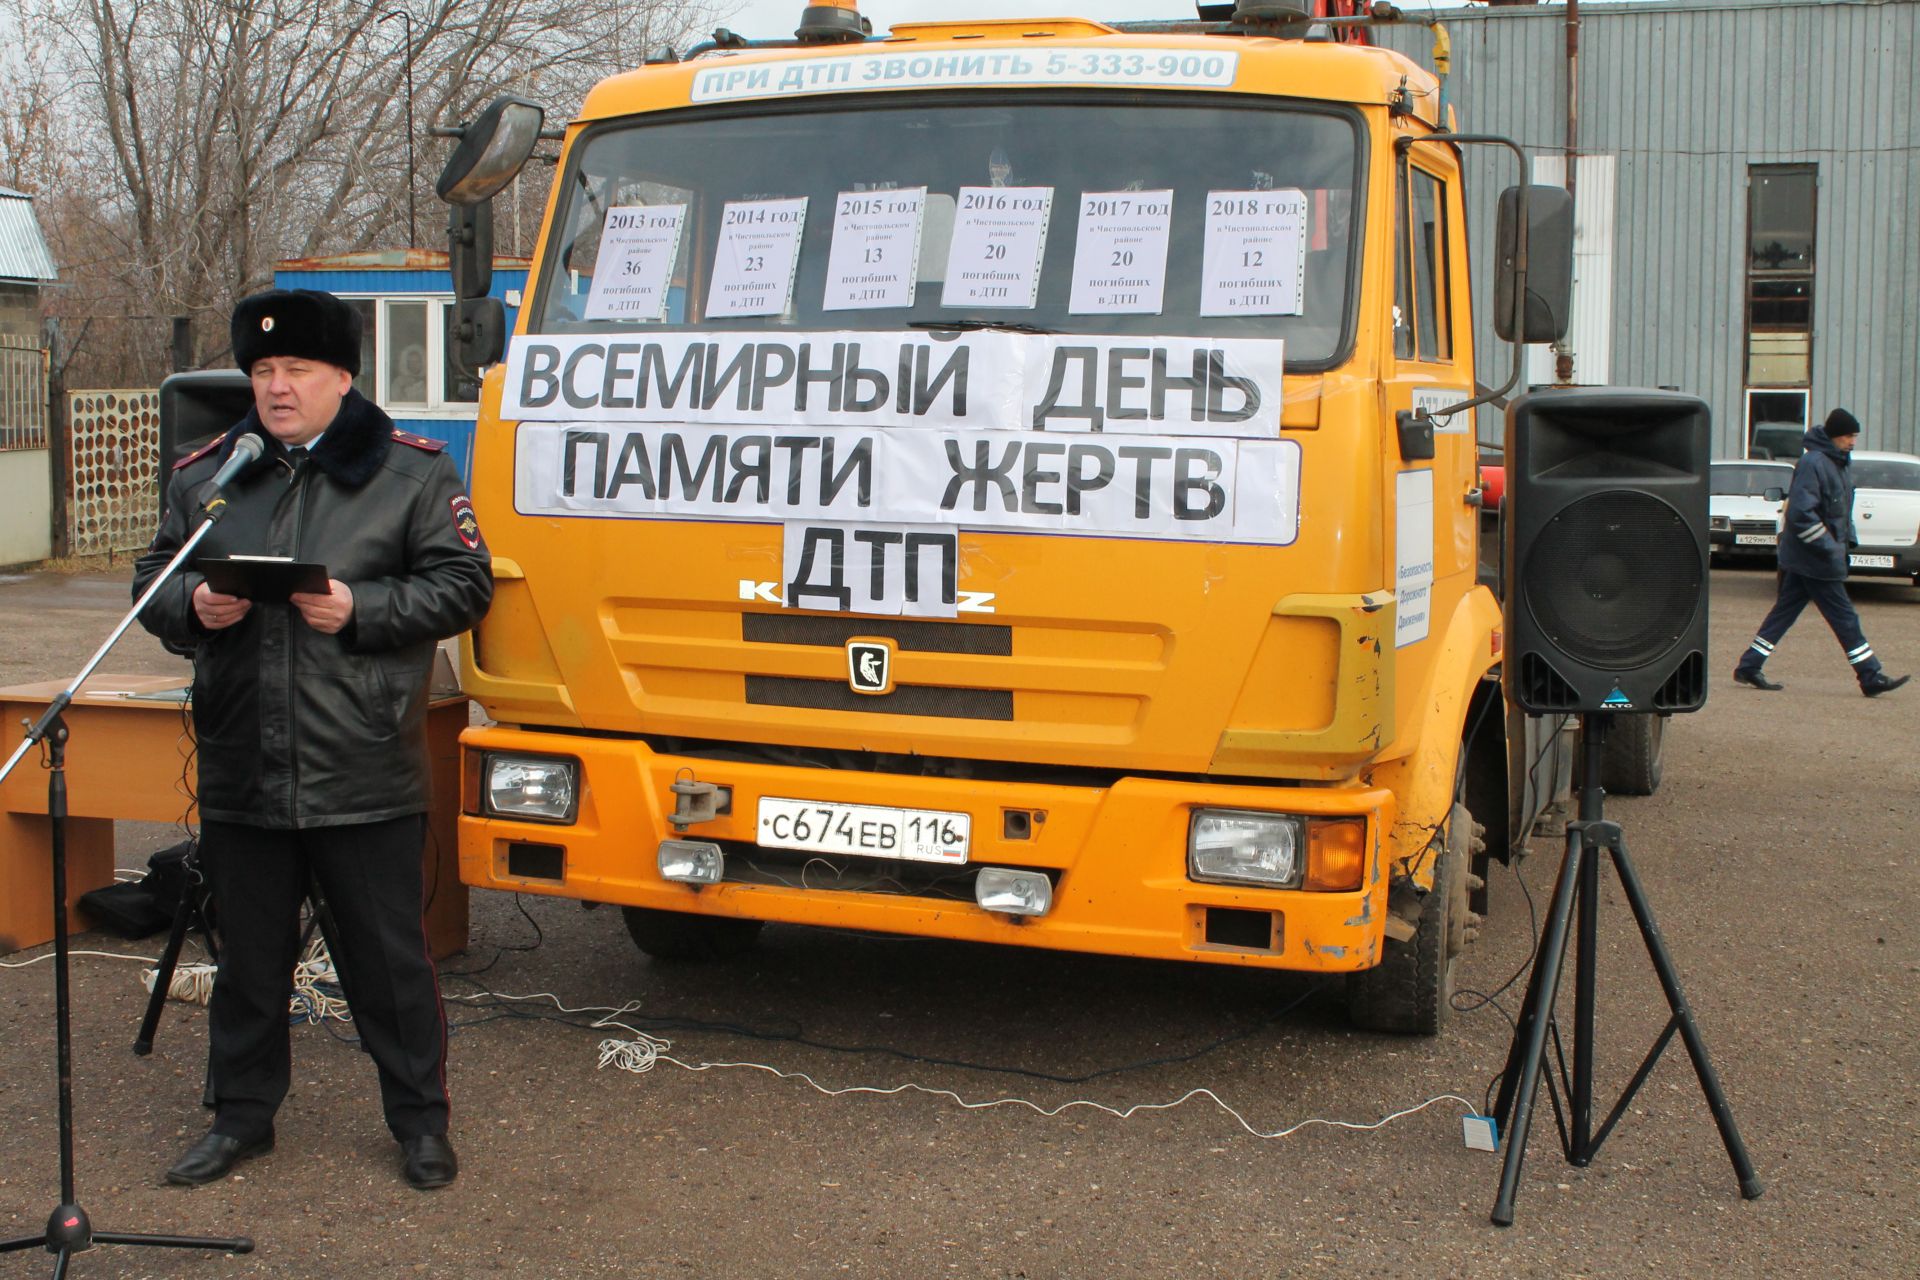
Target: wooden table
[(127, 754)]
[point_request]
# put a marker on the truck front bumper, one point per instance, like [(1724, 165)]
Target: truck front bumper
[(1116, 856)]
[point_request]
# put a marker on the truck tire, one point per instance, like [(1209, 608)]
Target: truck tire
[(1410, 992), (678, 935), (1630, 762)]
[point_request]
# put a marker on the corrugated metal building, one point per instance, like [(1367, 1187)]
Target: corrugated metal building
[(1747, 176)]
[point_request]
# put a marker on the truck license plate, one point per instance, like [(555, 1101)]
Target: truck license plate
[(866, 831), (1871, 562), (1754, 540)]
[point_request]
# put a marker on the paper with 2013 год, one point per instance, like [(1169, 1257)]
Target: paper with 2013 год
[(638, 247), (875, 260), (1255, 256)]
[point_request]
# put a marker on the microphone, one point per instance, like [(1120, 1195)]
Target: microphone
[(247, 450)]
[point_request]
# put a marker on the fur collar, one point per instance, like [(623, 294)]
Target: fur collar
[(350, 452)]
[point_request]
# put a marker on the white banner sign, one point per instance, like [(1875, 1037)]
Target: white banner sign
[(634, 266), (897, 570), (987, 379), (1161, 487), (1255, 258), (1120, 259), (875, 257), (999, 239), (1067, 64), (758, 253)]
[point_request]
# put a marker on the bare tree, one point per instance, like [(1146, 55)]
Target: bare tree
[(216, 137)]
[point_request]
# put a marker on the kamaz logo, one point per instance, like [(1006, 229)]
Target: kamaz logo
[(870, 666)]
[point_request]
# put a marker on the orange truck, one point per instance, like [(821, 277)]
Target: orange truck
[(1008, 481)]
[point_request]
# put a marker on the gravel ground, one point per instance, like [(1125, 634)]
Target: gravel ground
[(1775, 856)]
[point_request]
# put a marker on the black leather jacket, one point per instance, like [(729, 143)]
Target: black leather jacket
[(296, 728)]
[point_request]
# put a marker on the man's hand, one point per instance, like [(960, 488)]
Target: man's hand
[(217, 612), (326, 613)]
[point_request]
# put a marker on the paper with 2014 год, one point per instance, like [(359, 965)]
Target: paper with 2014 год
[(758, 254), (999, 238), (1120, 258), (875, 260), (639, 245), (1255, 256)]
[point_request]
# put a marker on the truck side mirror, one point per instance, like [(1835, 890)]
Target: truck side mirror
[(1548, 241), (479, 336), (491, 150), (470, 249)]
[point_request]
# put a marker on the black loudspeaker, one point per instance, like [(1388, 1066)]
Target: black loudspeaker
[(194, 408), (1606, 605)]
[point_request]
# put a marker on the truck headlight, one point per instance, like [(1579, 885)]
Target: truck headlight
[(1228, 846), (542, 788)]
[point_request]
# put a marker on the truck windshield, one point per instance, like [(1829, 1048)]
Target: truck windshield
[(1181, 218)]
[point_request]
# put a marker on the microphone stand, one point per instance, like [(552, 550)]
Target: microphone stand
[(68, 1229)]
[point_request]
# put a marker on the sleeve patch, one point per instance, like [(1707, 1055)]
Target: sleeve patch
[(465, 523)]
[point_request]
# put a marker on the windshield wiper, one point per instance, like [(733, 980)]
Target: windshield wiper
[(968, 326)]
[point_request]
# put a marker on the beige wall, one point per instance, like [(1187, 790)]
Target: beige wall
[(26, 516)]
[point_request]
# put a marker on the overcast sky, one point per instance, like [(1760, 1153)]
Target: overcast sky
[(776, 19)]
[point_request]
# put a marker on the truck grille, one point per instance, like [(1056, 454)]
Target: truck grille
[(1754, 526), (905, 700), (908, 635)]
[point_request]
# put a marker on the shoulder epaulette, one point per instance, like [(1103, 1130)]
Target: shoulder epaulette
[(419, 442), (202, 451)]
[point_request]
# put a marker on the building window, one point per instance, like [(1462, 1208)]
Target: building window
[(1781, 200), (405, 349)]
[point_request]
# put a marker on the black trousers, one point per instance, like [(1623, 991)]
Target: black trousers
[(1830, 597), (370, 876)]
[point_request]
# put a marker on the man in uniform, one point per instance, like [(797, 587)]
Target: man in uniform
[(310, 720), (1813, 560)]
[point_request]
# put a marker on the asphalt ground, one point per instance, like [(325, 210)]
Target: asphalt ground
[(1777, 855)]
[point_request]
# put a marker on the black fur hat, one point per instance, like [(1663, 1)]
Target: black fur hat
[(305, 323), (1841, 423)]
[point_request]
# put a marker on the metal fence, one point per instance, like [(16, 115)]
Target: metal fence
[(23, 395), (114, 470)]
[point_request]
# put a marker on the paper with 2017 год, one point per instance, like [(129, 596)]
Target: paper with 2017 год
[(638, 247), (759, 251), (1120, 258)]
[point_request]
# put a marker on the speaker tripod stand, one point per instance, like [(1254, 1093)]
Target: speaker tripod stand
[(1579, 887)]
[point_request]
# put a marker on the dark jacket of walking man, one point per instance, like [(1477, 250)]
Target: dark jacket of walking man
[(1813, 559), (310, 721)]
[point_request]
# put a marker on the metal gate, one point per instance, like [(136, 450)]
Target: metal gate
[(114, 466)]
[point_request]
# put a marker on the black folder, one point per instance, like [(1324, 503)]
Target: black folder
[(265, 579)]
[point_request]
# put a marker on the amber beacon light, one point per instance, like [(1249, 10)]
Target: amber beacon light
[(834, 22)]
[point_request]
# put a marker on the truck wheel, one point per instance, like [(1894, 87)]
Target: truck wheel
[(677, 935), (1630, 762), (1410, 991)]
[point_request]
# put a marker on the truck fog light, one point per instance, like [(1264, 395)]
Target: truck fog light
[(1014, 893), (1226, 846), (539, 787), (692, 861)]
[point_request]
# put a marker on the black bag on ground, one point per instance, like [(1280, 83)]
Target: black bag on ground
[(140, 908)]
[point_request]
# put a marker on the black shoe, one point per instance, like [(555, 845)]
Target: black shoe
[(213, 1157), (430, 1161), (1755, 680), (1878, 683)]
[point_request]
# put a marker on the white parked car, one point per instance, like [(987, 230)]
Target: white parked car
[(1886, 514), (1745, 504)]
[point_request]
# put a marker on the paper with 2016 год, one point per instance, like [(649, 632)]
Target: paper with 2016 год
[(999, 238)]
